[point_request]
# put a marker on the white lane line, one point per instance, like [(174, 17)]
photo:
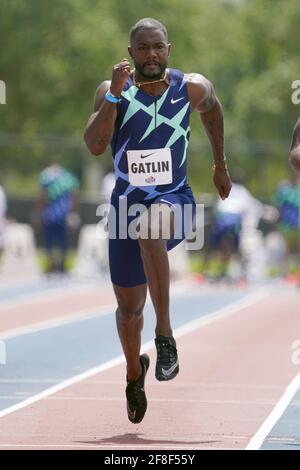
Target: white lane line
[(258, 439), (44, 294), (12, 397), (225, 312), (153, 383), (165, 400), (28, 381), (107, 447), (178, 384), (66, 319), (159, 400), (62, 320), (62, 385), (282, 439), (171, 439)]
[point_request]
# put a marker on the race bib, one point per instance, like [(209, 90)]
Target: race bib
[(149, 167)]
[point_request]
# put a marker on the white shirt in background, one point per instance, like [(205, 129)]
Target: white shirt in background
[(241, 202)]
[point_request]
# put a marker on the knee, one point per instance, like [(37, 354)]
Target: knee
[(129, 310)]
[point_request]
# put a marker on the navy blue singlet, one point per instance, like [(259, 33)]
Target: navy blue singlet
[(152, 122)]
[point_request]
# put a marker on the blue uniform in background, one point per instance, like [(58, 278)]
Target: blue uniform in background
[(58, 185)]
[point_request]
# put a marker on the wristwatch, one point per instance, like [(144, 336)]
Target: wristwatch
[(112, 98)]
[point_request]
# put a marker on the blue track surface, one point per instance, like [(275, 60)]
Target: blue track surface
[(35, 361), (39, 360), (285, 435)]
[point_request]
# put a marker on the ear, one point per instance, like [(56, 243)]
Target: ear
[(130, 51), (169, 49)]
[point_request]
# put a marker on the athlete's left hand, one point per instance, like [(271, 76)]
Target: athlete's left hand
[(222, 182)]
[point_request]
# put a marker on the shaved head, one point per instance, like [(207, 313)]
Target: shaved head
[(150, 24)]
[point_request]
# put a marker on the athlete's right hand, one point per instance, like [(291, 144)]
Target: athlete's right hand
[(120, 76)]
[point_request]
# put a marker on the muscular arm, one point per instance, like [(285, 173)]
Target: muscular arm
[(294, 156), (100, 127), (205, 102)]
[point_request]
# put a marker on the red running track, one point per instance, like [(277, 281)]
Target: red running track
[(233, 372)]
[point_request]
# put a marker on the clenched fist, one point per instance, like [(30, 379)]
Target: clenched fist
[(120, 76), (222, 182)]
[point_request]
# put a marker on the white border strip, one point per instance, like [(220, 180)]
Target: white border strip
[(191, 326), (44, 294), (258, 439), (64, 319)]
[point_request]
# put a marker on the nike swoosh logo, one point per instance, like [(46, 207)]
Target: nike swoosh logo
[(167, 372), (131, 414), (176, 101), (148, 155), (168, 202)]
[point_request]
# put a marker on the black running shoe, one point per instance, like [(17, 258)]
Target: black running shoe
[(167, 366), (135, 394)]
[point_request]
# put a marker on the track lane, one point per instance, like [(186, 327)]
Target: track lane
[(233, 372)]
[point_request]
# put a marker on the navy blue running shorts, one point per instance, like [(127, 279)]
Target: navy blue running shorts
[(125, 262)]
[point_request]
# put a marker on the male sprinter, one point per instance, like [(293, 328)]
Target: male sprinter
[(144, 115)]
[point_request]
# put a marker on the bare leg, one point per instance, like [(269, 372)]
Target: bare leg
[(129, 317), (156, 265)]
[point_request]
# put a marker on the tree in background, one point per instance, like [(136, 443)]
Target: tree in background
[(55, 51)]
